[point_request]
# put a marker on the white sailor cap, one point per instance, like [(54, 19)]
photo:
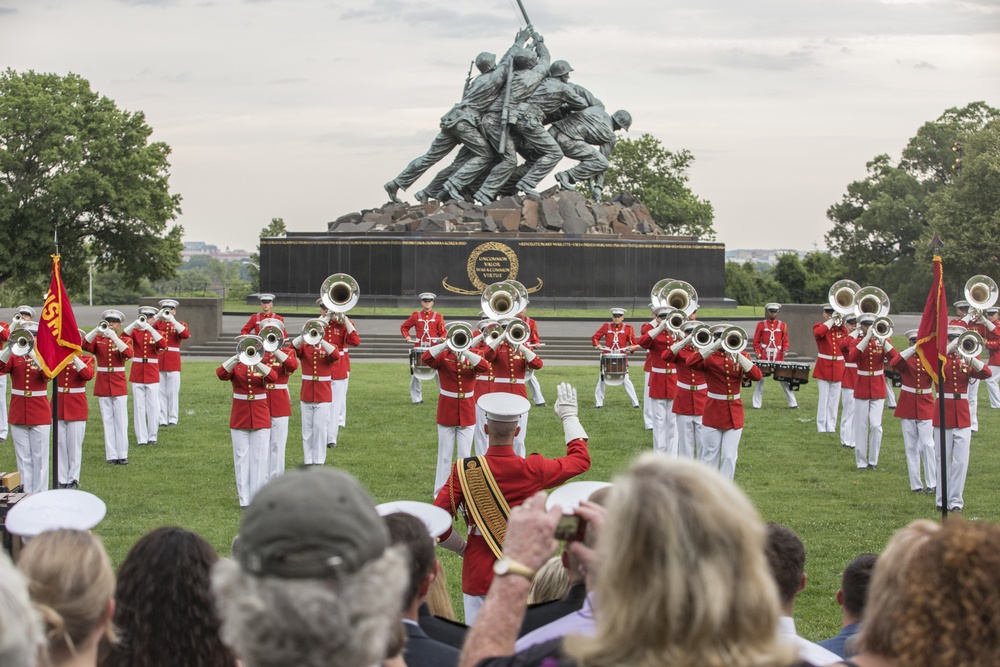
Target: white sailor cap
[(618, 312), (55, 510), (912, 333), (866, 318), (956, 330), (662, 310), (427, 296), (26, 310), (272, 322), (436, 520), (501, 407), (112, 314), (772, 306), (717, 329), (167, 303), (992, 310), (851, 319), (148, 311), (265, 296), (652, 306), (689, 325), (569, 496), (961, 304), (319, 302)]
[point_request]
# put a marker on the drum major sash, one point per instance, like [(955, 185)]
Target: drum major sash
[(485, 501)]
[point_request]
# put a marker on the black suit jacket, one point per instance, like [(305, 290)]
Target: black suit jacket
[(544, 613), (422, 651), (440, 629)]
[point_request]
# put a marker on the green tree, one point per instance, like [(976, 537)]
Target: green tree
[(71, 161), (274, 229), (792, 276), (658, 178)]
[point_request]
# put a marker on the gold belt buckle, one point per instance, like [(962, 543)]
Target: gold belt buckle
[(250, 397), (270, 386), (461, 395), (27, 394), (730, 397)]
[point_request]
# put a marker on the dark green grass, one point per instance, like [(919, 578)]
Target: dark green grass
[(792, 474)]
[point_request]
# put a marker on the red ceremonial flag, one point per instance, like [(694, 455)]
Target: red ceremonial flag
[(58, 339), (932, 336)]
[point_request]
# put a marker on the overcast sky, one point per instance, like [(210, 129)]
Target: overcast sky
[(302, 109)]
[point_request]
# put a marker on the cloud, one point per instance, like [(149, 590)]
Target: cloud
[(8, 10), (923, 64), (281, 82), (743, 59), (681, 71)]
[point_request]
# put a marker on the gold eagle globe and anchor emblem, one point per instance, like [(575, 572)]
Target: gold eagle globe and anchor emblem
[(489, 263)]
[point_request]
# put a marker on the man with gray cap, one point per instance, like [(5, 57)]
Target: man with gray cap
[(313, 581), (486, 487)]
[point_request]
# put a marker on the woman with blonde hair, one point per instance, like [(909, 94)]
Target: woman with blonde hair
[(72, 584)]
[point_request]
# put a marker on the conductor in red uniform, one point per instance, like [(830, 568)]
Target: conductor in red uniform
[(770, 343), (110, 354), (148, 346), (512, 478), (428, 329), (174, 331), (30, 416), (252, 327), (829, 369), (915, 409), (73, 412)]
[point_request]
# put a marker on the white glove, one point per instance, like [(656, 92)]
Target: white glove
[(230, 363), (454, 542), (349, 325), (566, 407), (178, 327), (297, 342), (155, 335), (908, 352), (476, 340), (976, 363), (327, 346), (680, 345), (471, 357), (989, 325), (130, 328), (280, 355), (952, 347), (863, 344), (887, 345), (967, 318), (78, 363), (263, 368), (707, 351), (744, 363), (829, 324), (5, 354), (494, 343), (145, 326), (658, 329), (92, 334), (436, 350), (119, 343), (529, 354)]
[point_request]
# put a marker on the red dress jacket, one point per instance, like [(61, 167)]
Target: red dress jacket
[(647, 365), (484, 380), (250, 410), (336, 335), (277, 392), (170, 361), (614, 336), (518, 480), (72, 386), (29, 401), (916, 395), (829, 358), (427, 326), (692, 391), (663, 375), (316, 366), (992, 340), (871, 361), (723, 409), (955, 375), (252, 327), (146, 355), (509, 369), (770, 340), (110, 365), (850, 377), (457, 398)]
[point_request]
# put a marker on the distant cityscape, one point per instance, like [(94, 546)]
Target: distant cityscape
[(762, 256), (200, 249)]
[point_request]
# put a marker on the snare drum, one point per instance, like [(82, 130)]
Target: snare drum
[(418, 368), (793, 374), (614, 366), (766, 367)]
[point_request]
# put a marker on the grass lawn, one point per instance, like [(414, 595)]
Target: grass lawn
[(793, 475)]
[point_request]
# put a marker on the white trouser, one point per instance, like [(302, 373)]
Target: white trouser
[(31, 449), (448, 438), (847, 437), (145, 411), (342, 421), (956, 447), (416, 392), (688, 435), (170, 391), (720, 449), (276, 447), (339, 390), (918, 441), (890, 394), (114, 416), (535, 389), (867, 430), (315, 418), (826, 406), (629, 389), (3, 406), (758, 394), (647, 407), (993, 387), (664, 427), (973, 394), (71, 434), (250, 461), (473, 603)]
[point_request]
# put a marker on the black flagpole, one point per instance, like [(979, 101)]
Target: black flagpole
[(55, 399)]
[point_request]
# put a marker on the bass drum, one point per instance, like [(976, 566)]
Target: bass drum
[(614, 366), (418, 368)]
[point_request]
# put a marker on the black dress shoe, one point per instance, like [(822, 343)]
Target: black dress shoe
[(932, 489), (73, 485), (152, 442), (142, 444), (872, 467), (123, 462), (331, 445)]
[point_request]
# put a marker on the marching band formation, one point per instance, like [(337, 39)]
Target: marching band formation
[(693, 376)]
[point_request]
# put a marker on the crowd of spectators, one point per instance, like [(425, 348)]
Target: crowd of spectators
[(674, 567)]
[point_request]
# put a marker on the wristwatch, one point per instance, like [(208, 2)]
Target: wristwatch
[(507, 566)]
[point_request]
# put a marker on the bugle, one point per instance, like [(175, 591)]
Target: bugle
[(882, 328), (970, 344), (21, 342), (675, 320), (517, 332), (312, 331), (250, 350), (734, 339), (272, 336), (339, 293), (102, 327), (701, 335), (501, 301), (491, 330), (458, 337)]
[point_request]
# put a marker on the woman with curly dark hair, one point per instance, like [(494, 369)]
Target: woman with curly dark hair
[(165, 613)]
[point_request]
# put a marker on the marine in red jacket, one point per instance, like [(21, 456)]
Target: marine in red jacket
[(428, 329), (285, 363), (692, 392), (316, 362), (871, 353), (340, 333), (173, 331), (252, 327), (770, 343), (616, 338), (30, 416), (847, 383), (534, 342), (662, 384), (72, 423), (249, 423), (722, 423), (4, 334), (915, 409), (510, 363), (516, 478), (148, 346), (111, 351), (829, 369)]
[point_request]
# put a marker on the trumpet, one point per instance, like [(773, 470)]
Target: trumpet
[(491, 330), (517, 332), (969, 344), (501, 301), (15, 322), (734, 339), (340, 293), (250, 350), (981, 293), (164, 313), (102, 327), (312, 331), (678, 294), (675, 320), (882, 328), (21, 342), (459, 337), (272, 337)]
